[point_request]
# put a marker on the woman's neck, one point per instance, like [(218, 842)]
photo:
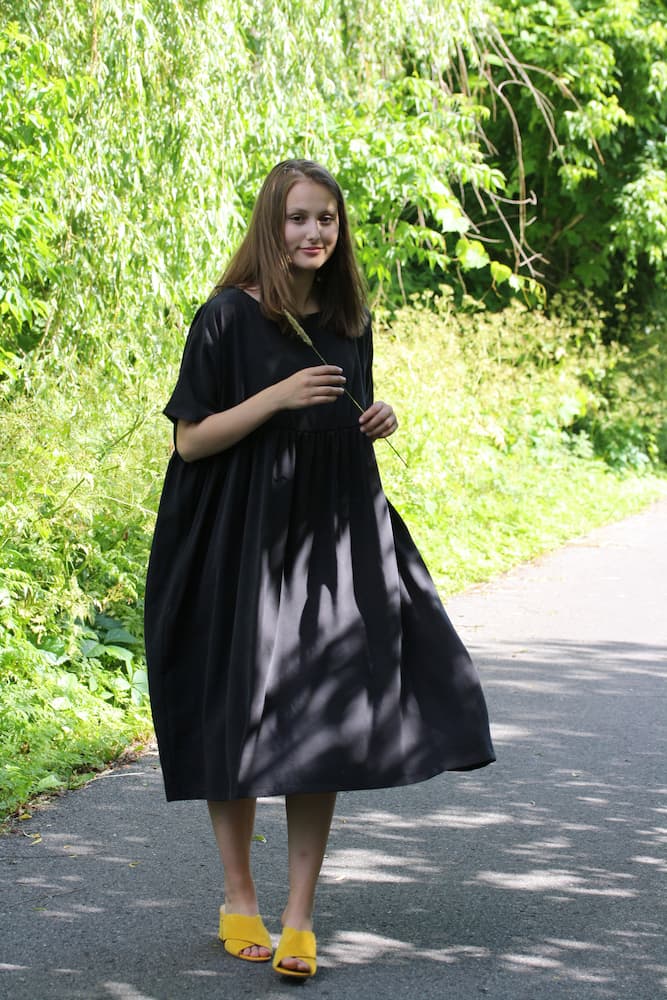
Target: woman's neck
[(305, 299), (304, 295)]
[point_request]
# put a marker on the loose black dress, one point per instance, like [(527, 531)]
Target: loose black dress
[(295, 640)]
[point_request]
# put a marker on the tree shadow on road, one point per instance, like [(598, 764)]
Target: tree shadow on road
[(541, 875), (538, 877)]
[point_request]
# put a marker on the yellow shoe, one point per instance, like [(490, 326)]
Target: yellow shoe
[(296, 944), (238, 932)]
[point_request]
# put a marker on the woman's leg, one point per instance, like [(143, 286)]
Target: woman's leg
[(233, 824), (308, 823)]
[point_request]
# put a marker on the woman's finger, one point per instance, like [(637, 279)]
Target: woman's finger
[(378, 420)]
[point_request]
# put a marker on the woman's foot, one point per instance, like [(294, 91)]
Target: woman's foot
[(245, 937), (245, 907), (296, 954), (291, 962)]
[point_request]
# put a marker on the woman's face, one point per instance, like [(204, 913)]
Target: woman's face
[(311, 225)]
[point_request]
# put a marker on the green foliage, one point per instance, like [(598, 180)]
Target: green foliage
[(36, 135), (54, 731), (145, 132), (163, 119), (511, 441), (640, 229), (78, 497), (587, 134)]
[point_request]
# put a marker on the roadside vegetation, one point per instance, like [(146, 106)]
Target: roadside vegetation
[(520, 337)]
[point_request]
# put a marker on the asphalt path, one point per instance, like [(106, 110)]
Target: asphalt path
[(542, 876)]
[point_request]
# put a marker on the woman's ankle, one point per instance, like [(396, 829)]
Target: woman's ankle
[(298, 918), (241, 900)]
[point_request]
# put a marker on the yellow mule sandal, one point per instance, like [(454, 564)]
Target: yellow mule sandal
[(296, 944), (238, 932)]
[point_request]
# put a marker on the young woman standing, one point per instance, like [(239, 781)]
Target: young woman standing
[(296, 644)]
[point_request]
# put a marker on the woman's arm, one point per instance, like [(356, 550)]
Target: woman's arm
[(308, 387)]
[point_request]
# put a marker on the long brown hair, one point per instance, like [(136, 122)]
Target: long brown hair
[(261, 260)]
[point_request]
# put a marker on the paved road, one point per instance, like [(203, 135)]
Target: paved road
[(540, 877)]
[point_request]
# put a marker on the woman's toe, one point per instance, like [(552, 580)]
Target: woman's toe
[(295, 964), (256, 951)]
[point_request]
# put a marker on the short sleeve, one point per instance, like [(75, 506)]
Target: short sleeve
[(198, 390)]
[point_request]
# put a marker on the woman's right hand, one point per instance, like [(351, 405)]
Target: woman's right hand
[(310, 387)]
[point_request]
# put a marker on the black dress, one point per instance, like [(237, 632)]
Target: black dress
[(295, 640)]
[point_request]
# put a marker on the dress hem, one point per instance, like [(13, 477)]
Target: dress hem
[(318, 789)]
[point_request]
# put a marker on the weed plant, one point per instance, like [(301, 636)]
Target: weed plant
[(493, 410)]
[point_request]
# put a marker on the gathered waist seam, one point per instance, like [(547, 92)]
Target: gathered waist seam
[(316, 430)]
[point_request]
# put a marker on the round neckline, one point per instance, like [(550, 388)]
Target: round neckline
[(257, 302)]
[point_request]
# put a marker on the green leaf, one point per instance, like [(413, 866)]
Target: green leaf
[(471, 254), (60, 704), (48, 783), (118, 653), (92, 648), (121, 635), (500, 272), (452, 219)]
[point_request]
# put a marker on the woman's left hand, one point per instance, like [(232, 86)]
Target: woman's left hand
[(378, 421)]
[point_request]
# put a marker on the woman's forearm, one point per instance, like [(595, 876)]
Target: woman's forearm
[(222, 430), (308, 387)]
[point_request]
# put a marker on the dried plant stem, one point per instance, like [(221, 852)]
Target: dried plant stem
[(302, 335)]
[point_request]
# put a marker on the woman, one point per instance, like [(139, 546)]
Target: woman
[(296, 644)]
